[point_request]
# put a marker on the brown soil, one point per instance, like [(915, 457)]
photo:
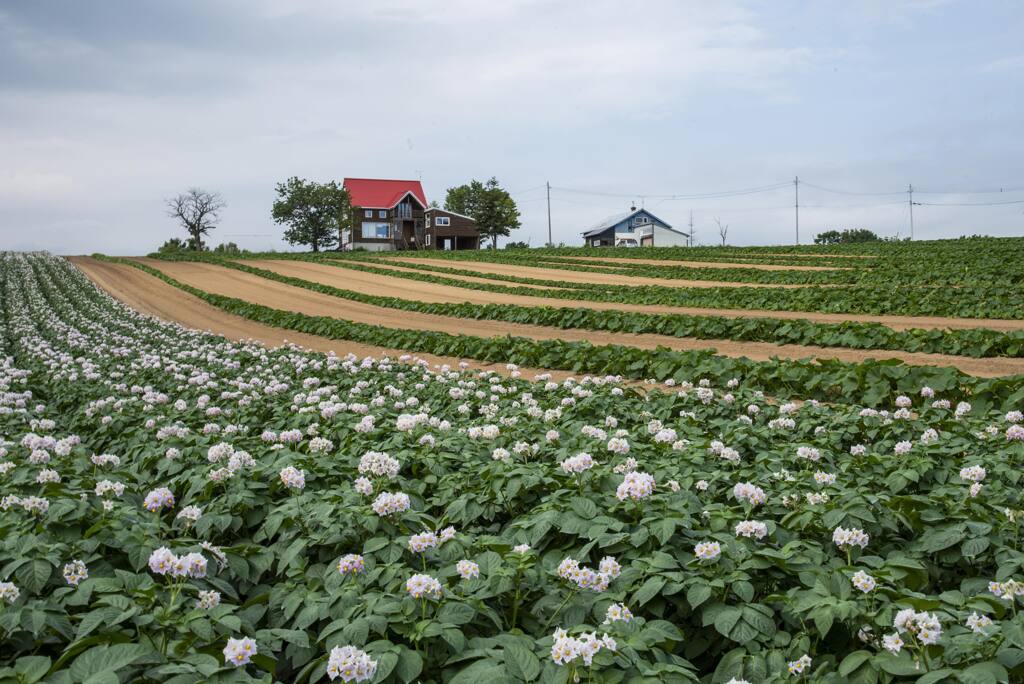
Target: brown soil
[(613, 261), (431, 292), (392, 265), (576, 276), (152, 296), (227, 282)]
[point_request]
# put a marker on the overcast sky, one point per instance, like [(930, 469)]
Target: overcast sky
[(107, 108)]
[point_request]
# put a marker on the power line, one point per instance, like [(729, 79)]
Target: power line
[(967, 204), (675, 196), (850, 192)]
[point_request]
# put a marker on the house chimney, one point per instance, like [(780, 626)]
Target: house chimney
[(632, 207)]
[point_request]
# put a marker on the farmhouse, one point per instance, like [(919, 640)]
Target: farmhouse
[(394, 214), (635, 228)]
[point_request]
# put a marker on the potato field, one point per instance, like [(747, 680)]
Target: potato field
[(650, 465)]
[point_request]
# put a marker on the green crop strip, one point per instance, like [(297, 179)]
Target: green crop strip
[(873, 381), (969, 302), (976, 343)]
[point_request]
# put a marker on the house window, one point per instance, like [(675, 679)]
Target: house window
[(641, 220), (442, 221), (427, 242), (373, 230), (383, 213), (368, 213)]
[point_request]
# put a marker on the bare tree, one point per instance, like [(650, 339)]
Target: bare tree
[(722, 230), (198, 212)]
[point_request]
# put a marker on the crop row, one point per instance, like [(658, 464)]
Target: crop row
[(971, 301), (976, 342), (826, 380), (182, 509)]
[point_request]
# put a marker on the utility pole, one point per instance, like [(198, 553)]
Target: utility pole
[(691, 227), (550, 241), (910, 201), (796, 205)]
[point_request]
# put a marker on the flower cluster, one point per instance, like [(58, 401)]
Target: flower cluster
[(423, 586), (587, 578), (164, 562), (751, 529), (208, 600), (9, 592), (351, 564), (1007, 590), (798, 666), (577, 464), (388, 503), (567, 649), (158, 499), (708, 550), (350, 664), (617, 612), (863, 581), (379, 464), (75, 572), (293, 478), (923, 627), (239, 652), (467, 569), (848, 538), (745, 491), (635, 486)]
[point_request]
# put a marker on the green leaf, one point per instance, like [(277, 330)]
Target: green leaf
[(853, 661), (649, 590), (583, 507), (455, 613), (726, 620), (31, 668), (698, 593), (409, 665), (107, 659), (989, 672), (521, 662), (902, 665), (33, 576)]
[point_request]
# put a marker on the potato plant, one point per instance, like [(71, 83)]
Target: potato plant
[(175, 507)]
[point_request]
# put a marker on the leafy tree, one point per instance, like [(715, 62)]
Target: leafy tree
[(314, 212), (198, 212), (227, 248), (850, 235), (173, 245), (488, 204)]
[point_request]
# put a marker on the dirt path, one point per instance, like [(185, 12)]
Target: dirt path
[(227, 282), (152, 296), (613, 261), (576, 276), (349, 279)]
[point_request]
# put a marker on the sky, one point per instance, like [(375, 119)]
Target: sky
[(107, 108)]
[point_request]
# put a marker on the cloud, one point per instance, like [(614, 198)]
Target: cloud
[(107, 108)]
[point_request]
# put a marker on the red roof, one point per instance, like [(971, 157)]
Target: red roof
[(375, 193)]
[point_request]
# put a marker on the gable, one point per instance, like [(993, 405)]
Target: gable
[(379, 193)]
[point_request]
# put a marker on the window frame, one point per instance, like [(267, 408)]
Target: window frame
[(376, 235), (447, 221), (368, 213), (382, 213)]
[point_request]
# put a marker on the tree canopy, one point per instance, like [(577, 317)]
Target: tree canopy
[(835, 237), (488, 204), (198, 212), (314, 212)]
